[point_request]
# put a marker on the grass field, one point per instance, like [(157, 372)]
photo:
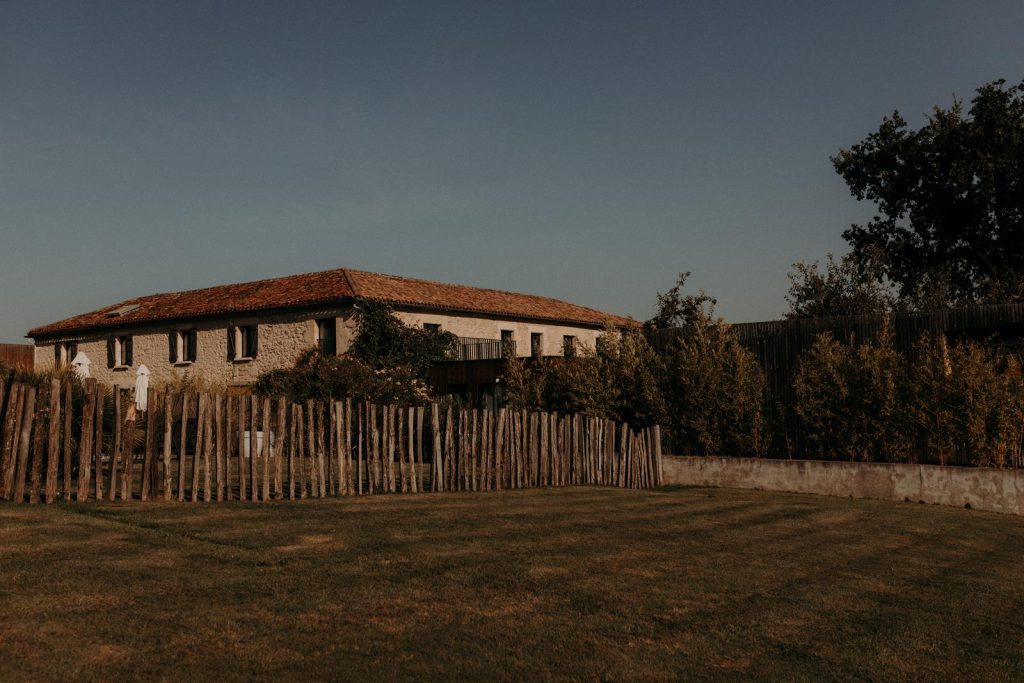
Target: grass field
[(592, 584)]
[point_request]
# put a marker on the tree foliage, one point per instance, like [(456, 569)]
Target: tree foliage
[(676, 309), (383, 341), (949, 199), (387, 363), (844, 287), (618, 380), (849, 397), (869, 402), (715, 392)]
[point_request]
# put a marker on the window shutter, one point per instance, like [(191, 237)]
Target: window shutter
[(231, 343), (190, 351), (110, 352), (172, 347), (126, 350), (254, 340)]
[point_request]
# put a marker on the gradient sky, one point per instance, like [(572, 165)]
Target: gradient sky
[(587, 151)]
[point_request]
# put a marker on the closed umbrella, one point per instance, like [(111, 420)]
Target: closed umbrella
[(142, 388), (81, 364)]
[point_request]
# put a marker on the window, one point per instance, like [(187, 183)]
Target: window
[(119, 352), (326, 337), (243, 342), (536, 349), (569, 346), (64, 353), (181, 347), (508, 344), (431, 327)]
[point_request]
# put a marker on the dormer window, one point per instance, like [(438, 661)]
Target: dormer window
[(182, 346), (119, 352)]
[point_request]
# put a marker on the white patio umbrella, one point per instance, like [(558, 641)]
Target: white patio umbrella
[(142, 388), (80, 364)]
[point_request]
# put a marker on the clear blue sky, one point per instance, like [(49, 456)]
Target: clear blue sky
[(587, 151)]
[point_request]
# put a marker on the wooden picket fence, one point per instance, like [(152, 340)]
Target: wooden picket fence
[(58, 442)]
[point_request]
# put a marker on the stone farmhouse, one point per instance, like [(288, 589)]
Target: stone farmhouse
[(231, 333)]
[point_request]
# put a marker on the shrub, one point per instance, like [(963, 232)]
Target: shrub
[(617, 380), (849, 400), (387, 363), (966, 402), (715, 391)]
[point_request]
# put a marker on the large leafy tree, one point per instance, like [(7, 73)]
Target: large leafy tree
[(949, 197)]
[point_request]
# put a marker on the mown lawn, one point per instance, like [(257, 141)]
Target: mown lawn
[(592, 584)]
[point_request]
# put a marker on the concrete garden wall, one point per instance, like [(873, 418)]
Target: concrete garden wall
[(997, 490)]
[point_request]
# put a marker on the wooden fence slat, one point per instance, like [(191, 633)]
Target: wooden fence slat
[(52, 442), (198, 452), (242, 471), (292, 448), (66, 443), (322, 455), (282, 422), (183, 445), (10, 431), (437, 470), (360, 442), (149, 456), (219, 442), (208, 447), (229, 445), (28, 418), (254, 473), (168, 438), (98, 441)]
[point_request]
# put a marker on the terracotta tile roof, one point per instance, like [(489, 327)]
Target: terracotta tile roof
[(330, 286)]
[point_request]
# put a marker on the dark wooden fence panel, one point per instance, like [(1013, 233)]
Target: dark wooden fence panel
[(17, 356)]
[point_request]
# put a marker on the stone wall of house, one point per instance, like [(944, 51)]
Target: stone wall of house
[(282, 337), (490, 328)]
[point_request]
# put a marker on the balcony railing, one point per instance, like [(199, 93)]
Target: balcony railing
[(472, 348)]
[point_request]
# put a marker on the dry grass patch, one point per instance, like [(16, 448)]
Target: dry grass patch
[(573, 584)]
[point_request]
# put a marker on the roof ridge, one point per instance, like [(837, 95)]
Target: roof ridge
[(348, 279), (457, 284)]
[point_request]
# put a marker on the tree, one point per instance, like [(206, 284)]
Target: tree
[(387, 362), (383, 341), (678, 310), (950, 200), (843, 288)]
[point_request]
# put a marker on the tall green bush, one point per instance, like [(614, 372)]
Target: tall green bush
[(618, 379), (715, 394), (850, 400), (966, 403)]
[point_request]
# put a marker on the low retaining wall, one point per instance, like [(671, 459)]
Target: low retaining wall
[(998, 490)]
